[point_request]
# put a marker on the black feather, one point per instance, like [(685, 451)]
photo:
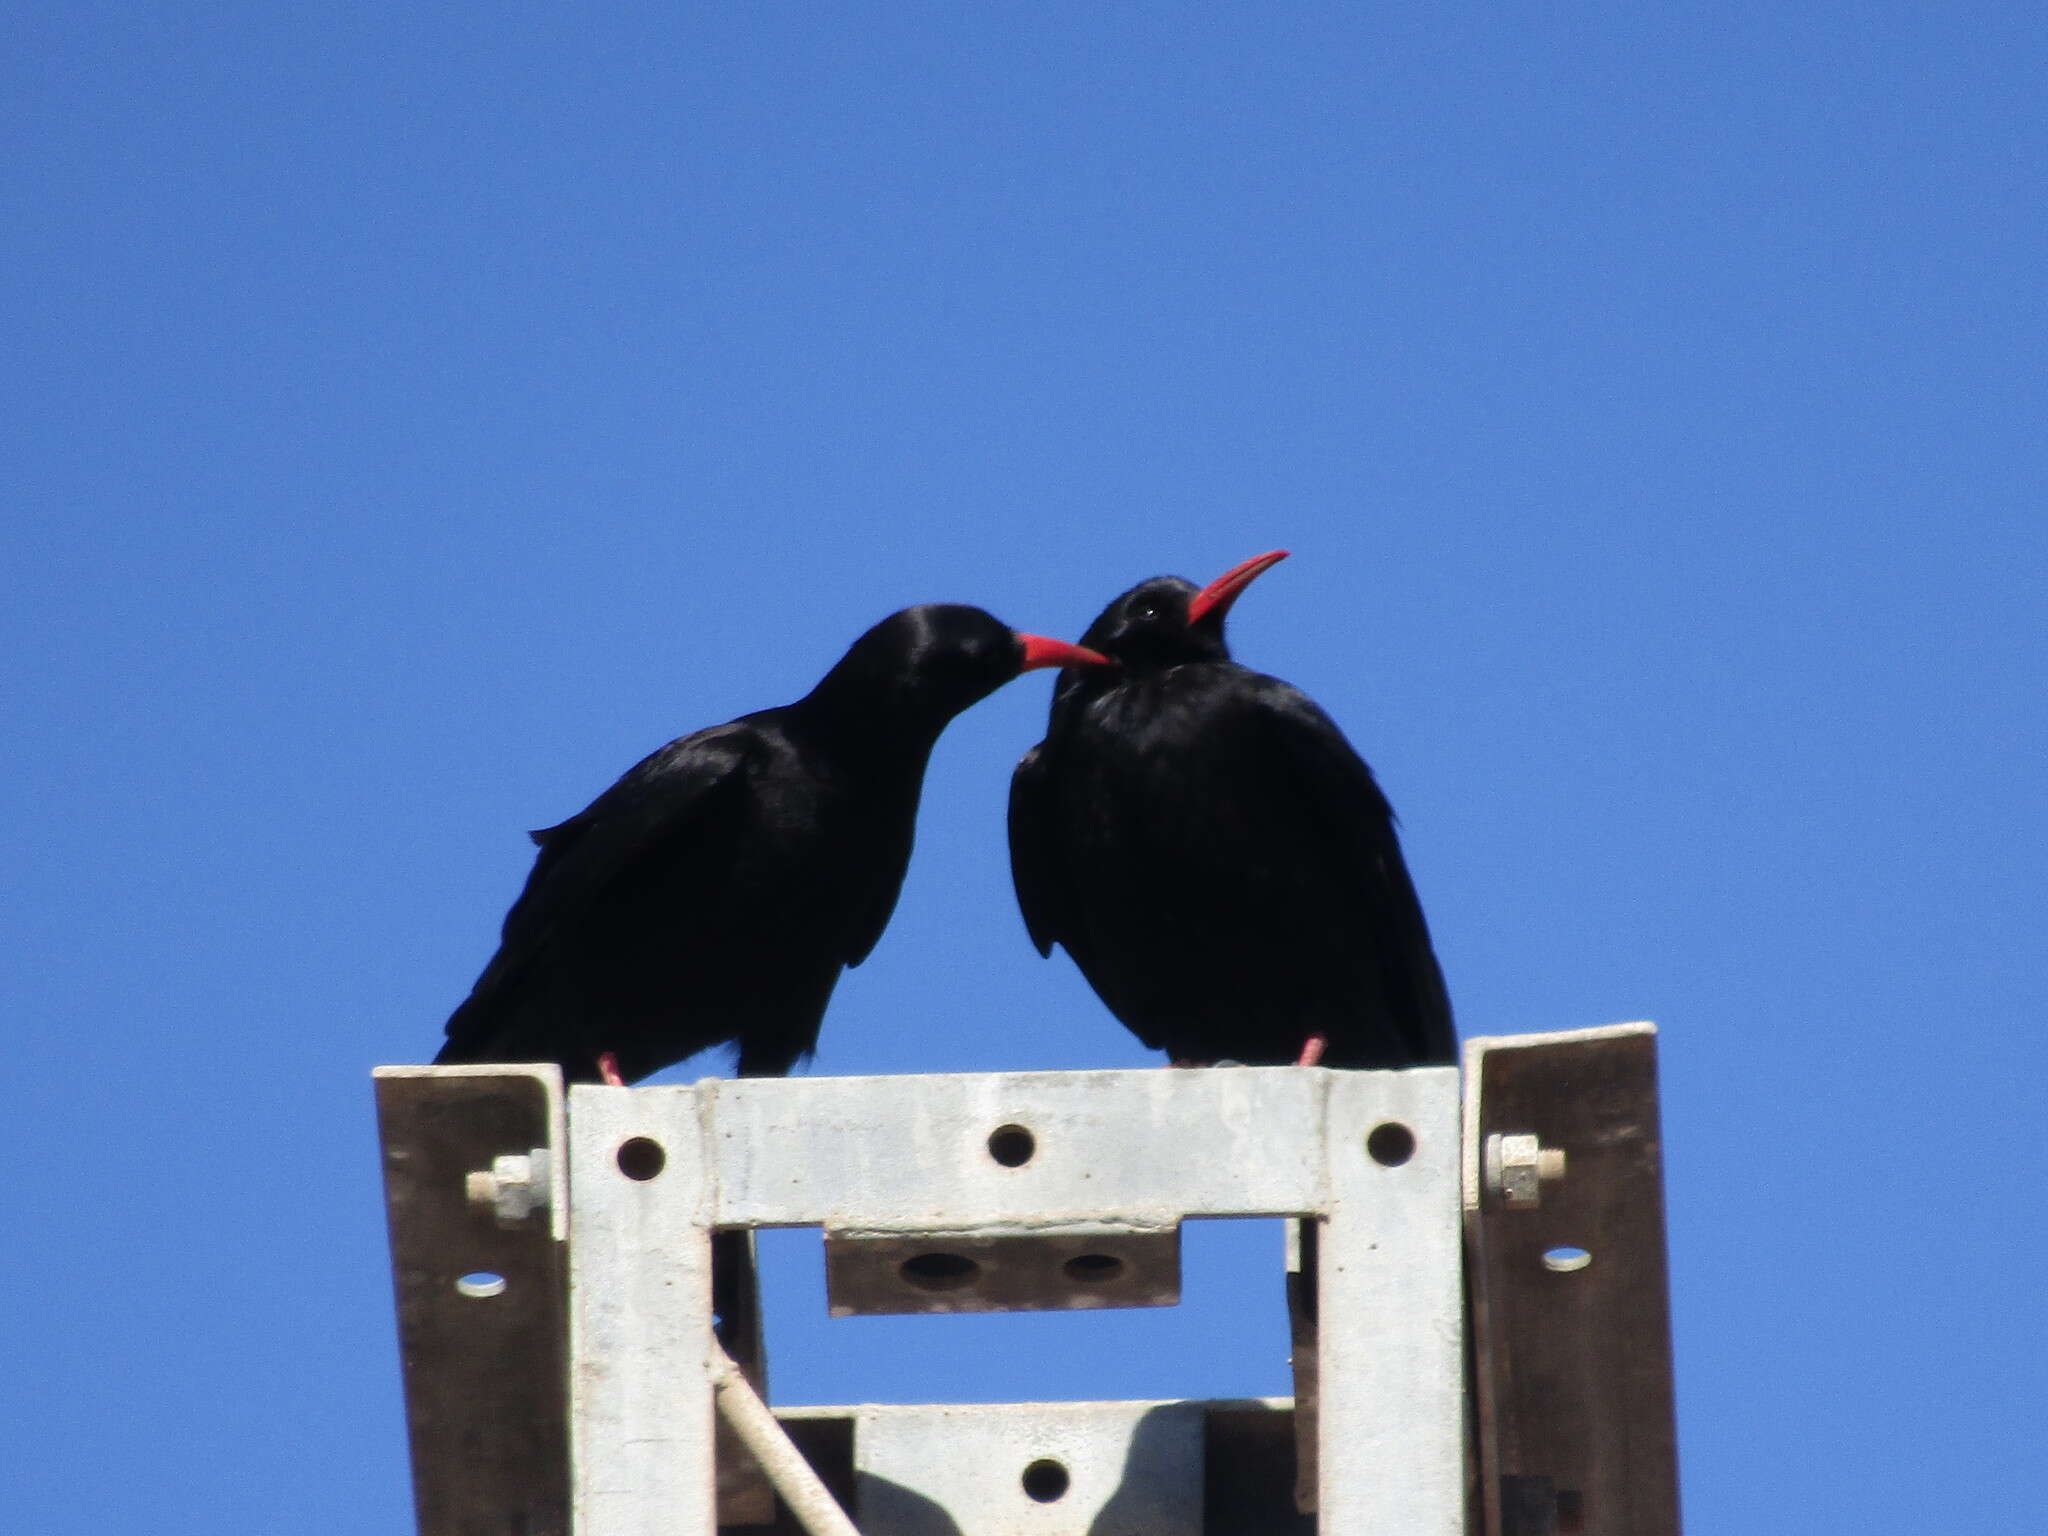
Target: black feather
[(1217, 858), (715, 892)]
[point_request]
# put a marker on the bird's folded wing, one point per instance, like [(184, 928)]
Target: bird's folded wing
[(656, 800), (1035, 867), (661, 799), (1327, 784)]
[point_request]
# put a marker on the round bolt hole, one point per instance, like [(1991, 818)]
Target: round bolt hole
[(1390, 1144), (1045, 1481), (641, 1157), (481, 1283), (1093, 1268), (939, 1271), (1011, 1145), (1566, 1259)]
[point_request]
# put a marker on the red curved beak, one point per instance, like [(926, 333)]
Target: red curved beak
[(1217, 597), (1041, 652)]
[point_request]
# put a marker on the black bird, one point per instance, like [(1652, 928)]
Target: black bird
[(1216, 857), (717, 890)]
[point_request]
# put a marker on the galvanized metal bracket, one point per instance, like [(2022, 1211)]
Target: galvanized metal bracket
[(569, 1266), (1018, 1176)]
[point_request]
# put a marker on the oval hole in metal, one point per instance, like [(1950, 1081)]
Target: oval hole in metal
[(939, 1272), (1093, 1268)]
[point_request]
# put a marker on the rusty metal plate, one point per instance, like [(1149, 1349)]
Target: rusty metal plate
[(1570, 1309), (1070, 1268), (482, 1308)]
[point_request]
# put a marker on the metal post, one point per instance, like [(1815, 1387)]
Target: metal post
[(1391, 1422), (641, 1422)]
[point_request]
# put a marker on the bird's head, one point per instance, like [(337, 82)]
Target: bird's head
[(932, 661), (1169, 621)]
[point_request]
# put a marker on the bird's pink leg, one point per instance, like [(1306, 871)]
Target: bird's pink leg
[(1312, 1050), (608, 1069)]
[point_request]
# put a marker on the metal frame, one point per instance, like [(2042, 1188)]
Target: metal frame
[(617, 1380)]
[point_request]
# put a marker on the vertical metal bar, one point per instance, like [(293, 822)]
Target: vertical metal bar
[(1305, 1354), (1571, 1314), (1390, 1308), (640, 1342), (482, 1308)]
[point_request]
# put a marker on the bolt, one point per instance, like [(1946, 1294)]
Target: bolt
[(514, 1186), (1517, 1168)]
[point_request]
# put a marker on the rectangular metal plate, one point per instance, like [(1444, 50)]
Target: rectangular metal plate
[(942, 1152), (1059, 1270), (1247, 1467), (1573, 1360), (485, 1375), (1030, 1469)]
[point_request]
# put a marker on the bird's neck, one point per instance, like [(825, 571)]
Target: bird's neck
[(1136, 673), (1133, 698), (869, 729)]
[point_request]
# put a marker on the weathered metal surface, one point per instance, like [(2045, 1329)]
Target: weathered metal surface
[(641, 1417), (1033, 1171), (485, 1366), (1247, 1473), (1390, 1308), (1101, 1264), (1030, 1469), (1570, 1313), (920, 1153)]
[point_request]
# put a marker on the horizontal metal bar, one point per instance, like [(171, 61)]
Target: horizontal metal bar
[(970, 1151)]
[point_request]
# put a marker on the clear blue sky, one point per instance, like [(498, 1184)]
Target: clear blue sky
[(411, 417)]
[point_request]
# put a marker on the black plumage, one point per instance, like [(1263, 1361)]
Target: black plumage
[(1216, 857), (716, 891)]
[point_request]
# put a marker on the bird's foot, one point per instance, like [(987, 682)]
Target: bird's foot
[(1312, 1050), (608, 1069)]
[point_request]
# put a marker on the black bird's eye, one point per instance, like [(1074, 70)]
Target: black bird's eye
[(1145, 610)]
